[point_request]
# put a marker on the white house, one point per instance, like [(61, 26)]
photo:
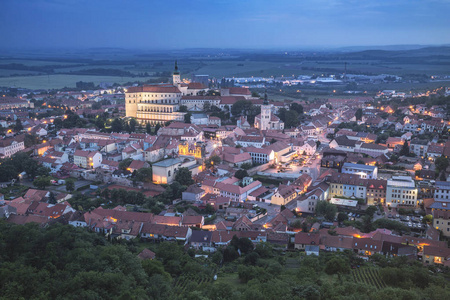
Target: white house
[(87, 159), (364, 171), (401, 190)]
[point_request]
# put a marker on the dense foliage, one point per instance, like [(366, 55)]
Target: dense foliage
[(10, 168), (64, 262)]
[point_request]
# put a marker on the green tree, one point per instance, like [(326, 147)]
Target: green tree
[(337, 265), (291, 119), (428, 219), (18, 127), (157, 127), (405, 149), (144, 175), (207, 107), (251, 258), (359, 114), (240, 174), (241, 108), (148, 128), (230, 254), (246, 166), (132, 123), (116, 125), (245, 245), (124, 164), (441, 164), (255, 94), (297, 108), (70, 185), (371, 210), (326, 209), (342, 217), (217, 257), (152, 267), (184, 176), (367, 223), (41, 182), (30, 140), (52, 198), (187, 118), (212, 161)]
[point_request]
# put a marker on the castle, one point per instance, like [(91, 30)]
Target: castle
[(159, 103)]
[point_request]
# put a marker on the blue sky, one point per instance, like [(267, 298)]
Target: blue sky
[(154, 24)]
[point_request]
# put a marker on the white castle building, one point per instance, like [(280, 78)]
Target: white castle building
[(159, 103)]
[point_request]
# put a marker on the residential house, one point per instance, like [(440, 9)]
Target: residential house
[(201, 240), (250, 141), (284, 194), (87, 159), (147, 254), (439, 256), (367, 246), (363, 171), (303, 239), (376, 191), (336, 243), (193, 221), (418, 147), (193, 193), (11, 145), (136, 165), (401, 190), (260, 155), (166, 233), (347, 185)]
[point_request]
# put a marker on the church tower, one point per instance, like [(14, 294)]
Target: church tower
[(176, 75), (266, 113)]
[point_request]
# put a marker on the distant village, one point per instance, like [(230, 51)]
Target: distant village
[(188, 163)]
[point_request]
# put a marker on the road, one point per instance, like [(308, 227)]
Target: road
[(57, 188), (315, 168)]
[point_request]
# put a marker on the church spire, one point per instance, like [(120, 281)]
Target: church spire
[(175, 72)]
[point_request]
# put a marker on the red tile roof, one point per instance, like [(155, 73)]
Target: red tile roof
[(154, 89)]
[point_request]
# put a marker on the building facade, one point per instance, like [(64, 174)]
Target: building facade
[(155, 104), (363, 171), (401, 190)]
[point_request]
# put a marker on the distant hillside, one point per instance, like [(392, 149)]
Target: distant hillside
[(443, 51)]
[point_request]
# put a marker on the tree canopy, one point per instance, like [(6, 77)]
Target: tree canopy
[(326, 209), (184, 176)]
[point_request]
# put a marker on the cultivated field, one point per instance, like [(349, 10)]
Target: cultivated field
[(103, 65), (60, 80)]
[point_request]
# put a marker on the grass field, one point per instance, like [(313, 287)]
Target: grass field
[(61, 80), (7, 73)]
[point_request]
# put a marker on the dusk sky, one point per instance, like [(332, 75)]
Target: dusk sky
[(147, 24)]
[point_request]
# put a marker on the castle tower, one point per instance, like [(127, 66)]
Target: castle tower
[(176, 75)]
